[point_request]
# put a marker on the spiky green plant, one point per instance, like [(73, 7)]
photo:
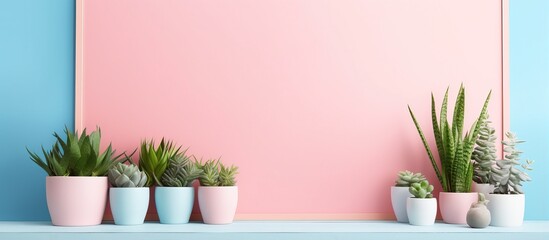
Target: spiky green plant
[(181, 172), (484, 154), (76, 155), (217, 174), (122, 175), (154, 160), (455, 173), (506, 176), (406, 178), (421, 189)]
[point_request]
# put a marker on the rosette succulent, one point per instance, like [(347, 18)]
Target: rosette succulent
[(122, 175), (407, 178), (422, 189)]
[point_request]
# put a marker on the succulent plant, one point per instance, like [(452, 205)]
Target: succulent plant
[(122, 175), (217, 174), (154, 160), (77, 155), (406, 178), (181, 172), (455, 173), (422, 189), (506, 177), (484, 154)]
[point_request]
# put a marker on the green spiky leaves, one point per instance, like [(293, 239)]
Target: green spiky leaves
[(421, 189), (506, 176), (217, 174), (484, 154), (154, 160), (181, 172), (76, 155), (122, 175), (406, 178), (455, 171)]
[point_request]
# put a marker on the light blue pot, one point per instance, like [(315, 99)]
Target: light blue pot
[(174, 204), (129, 205)]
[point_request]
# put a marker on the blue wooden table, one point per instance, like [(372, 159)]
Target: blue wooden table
[(242, 230)]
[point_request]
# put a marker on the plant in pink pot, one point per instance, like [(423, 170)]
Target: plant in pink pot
[(455, 147), (218, 193), (76, 188)]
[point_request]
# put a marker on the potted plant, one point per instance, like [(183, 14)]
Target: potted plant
[(507, 202), (76, 185), (484, 156), (400, 192), (217, 193), (455, 172), (129, 196), (422, 207), (175, 194), (154, 159)]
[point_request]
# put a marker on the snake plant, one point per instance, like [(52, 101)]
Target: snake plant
[(77, 155), (455, 171)]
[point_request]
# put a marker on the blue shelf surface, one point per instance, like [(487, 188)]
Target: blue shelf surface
[(279, 230)]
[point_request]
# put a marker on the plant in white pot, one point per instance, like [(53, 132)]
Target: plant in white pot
[(422, 207), (455, 171), (484, 156), (400, 193), (175, 194), (507, 202), (218, 193), (129, 195), (76, 188)]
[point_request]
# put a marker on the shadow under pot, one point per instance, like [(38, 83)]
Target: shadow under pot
[(129, 204), (76, 201), (218, 204), (174, 204)]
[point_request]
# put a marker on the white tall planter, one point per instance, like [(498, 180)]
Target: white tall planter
[(421, 211), (507, 210), (399, 195)]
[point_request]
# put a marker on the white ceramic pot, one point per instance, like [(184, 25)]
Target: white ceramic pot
[(399, 195), (454, 206), (484, 188), (507, 210), (421, 211)]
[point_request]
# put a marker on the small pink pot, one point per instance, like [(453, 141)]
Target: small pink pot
[(454, 206), (218, 204), (76, 201)]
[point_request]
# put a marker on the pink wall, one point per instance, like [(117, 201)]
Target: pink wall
[(307, 97)]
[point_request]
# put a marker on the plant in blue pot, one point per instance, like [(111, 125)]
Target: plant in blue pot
[(129, 195)]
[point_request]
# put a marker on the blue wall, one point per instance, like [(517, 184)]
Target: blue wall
[(529, 56), (36, 96)]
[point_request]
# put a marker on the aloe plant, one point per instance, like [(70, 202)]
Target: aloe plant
[(77, 155), (216, 174), (455, 172), (154, 160), (181, 172)]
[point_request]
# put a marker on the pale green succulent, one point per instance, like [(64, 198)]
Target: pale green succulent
[(181, 172), (421, 189), (77, 155), (455, 148), (506, 177), (217, 174), (406, 178), (122, 175), (154, 160), (484, 154)]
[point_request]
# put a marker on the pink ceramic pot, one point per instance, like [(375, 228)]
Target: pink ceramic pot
[(218, 204), (454, 206), (76, 201)]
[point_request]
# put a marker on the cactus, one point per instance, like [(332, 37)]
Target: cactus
[(422, 189), (181, 172), (122, 175), (506, 177), (484, 154), (406, 178), (217, 174)]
